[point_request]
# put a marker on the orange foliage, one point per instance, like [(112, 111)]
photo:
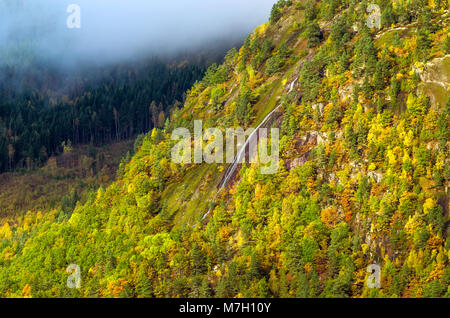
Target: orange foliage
[(330, 217)]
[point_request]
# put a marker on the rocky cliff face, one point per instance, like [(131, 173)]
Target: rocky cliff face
[(436, 80)]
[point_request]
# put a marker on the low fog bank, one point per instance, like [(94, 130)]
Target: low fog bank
[(120, 31)]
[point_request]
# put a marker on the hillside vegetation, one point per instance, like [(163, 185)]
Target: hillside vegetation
[(61, 183), (363, 175)]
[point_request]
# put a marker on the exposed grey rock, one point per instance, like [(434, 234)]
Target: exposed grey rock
[(377, 177), (318, 107)]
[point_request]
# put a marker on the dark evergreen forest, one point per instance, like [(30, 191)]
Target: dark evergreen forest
[(44, 109)]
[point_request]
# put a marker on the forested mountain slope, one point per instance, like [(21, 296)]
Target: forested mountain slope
[(363, 176), (63, 181)]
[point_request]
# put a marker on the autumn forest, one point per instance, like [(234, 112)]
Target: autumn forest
[(87, 175)]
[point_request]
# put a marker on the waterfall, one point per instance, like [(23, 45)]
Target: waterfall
[(230, 171), (241, 153), (239, 156)]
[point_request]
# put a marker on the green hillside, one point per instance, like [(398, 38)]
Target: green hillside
[(363, 176)]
